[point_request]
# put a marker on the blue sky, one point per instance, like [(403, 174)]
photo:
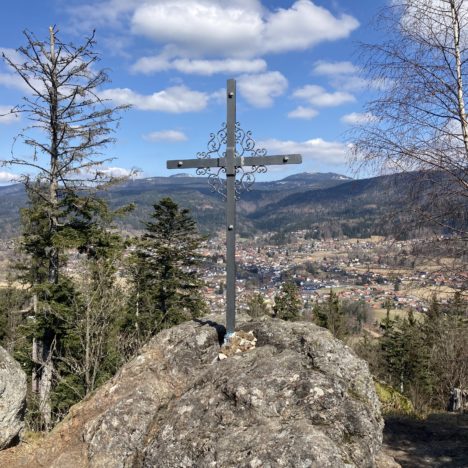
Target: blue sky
[(295, 62)]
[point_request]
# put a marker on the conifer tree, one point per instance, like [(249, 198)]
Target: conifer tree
[(331, 315), (90, 351), (69, 128), (167, 289), (13, 304), (405, 355), (256, 305), (434, 312), (288, 302)]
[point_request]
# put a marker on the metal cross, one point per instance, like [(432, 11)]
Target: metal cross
[(232, 161)]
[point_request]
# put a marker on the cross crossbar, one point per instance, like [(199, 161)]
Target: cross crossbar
[(232, 163), (200, 163)]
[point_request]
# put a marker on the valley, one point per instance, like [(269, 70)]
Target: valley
[(378, 272), (324, 231)]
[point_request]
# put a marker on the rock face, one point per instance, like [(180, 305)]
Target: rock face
[(12, 399), (299, 398)]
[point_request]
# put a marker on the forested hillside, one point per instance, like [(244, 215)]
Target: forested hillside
[(329, 205)]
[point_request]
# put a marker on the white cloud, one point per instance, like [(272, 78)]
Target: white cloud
[(199, 67), (318, 96), (323, 67), (95, 174), (219, 97), (6, 177), (358, 118), (166, 135), (11, 79), (176, 99), (8, 117), (238, 28), (116, 171), (354, 83), (351, 83), (304, 25), (12, 54), (316, 149), (345, 76), (259, 90), (154, 63), (301, 112), (200, 26), (101, 13)]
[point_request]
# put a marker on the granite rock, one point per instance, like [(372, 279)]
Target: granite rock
[(298, 398), (12, 399)]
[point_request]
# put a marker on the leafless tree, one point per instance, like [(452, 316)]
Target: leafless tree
[(417, 123), (94, 323), (449, 360)]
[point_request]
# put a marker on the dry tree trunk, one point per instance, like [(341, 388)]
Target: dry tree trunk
[(42, 380)]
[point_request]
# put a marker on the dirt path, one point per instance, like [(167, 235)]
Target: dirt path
[(439, 441)]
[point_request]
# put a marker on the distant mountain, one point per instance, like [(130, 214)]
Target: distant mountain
[(316, 177), (208, 207), (12, 198), (353, 208), (182, 174), (327, 204)]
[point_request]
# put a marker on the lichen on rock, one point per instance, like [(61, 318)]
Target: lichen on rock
[(12, 399), (298, 398)]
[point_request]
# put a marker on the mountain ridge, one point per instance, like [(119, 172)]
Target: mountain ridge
[(336, 202)]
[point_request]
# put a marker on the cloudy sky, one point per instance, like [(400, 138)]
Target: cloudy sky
[(295, 62)]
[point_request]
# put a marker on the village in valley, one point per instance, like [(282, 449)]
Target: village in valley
[(377, 271)]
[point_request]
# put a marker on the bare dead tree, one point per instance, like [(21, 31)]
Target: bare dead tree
[(69, 127), (417, 118), (94, 325), (449, 361)]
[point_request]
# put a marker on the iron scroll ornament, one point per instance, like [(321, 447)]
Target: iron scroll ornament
[(245, 146)]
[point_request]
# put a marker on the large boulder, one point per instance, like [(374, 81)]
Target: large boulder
[(12, 399), (300, 398)]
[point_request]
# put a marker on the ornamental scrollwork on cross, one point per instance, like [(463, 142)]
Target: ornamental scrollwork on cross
[(216, 142), (247, 178), (245, 146), (216, 182)]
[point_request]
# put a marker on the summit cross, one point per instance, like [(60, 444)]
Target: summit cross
[(240, 154)]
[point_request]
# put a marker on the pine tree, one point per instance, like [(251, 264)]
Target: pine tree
[(446, 330), (167, 289), (457, 306), (434, 308), (90, 352), (331, 315), (70, 126), (288, 302), (256, 305), (405, 354), (14, 304)]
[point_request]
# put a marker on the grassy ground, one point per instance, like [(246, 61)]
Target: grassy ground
[(380, 314), (426, 293)]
